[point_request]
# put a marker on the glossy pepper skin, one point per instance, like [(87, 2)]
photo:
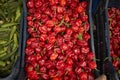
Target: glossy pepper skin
[(58, 46), (114, 25)]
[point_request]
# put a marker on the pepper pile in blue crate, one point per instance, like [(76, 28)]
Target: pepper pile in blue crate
[(10, 14), (58, 44)]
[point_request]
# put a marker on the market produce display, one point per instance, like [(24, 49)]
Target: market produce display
[(58, 45), (10, 12), (114, 25)]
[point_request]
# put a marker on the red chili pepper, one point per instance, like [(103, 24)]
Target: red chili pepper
[(60, 9), (53, 56), (33, 75), (86, 36), (90, 56), (52, 72), (60, 65), (80, 9), (38, 3), (83, 76), (66, 18), (29, 51), (30, 4), (57, 78), (69, 61), (29, 68), (37, 15), (92, 65), (78, 22), (52, 39), (50, 23), (29, 18), (85, 50), (30, 23), (43, 37)]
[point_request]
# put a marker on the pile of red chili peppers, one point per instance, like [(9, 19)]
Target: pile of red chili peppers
[(114, 25), (58, 47)]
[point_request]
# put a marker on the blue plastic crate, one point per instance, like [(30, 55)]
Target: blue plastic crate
[(21, 75), (16, 66)]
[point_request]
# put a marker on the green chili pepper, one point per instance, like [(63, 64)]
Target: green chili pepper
[(3, 42), (3, 33), (8, 55), (4, 37), (17, 14), (2, 55), (9, 48), (4, 29), (7, 62), (7, 43), (12, 57), (16, 56), (15, 41), (7, 67), (3, 51), (3, 1), (1, 22), (12, 32), (8, 25), (3, 64)]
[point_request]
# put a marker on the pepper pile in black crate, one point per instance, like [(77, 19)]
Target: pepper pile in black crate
[(109, 18), (114, 25), (58, 44), (10, 15)]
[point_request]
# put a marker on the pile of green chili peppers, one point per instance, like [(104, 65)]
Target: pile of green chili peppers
[(10, 14)]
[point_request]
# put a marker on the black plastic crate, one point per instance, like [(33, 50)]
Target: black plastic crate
[(22, 75), (95, 5), (16, 66), (99, 37), (103, 38)]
